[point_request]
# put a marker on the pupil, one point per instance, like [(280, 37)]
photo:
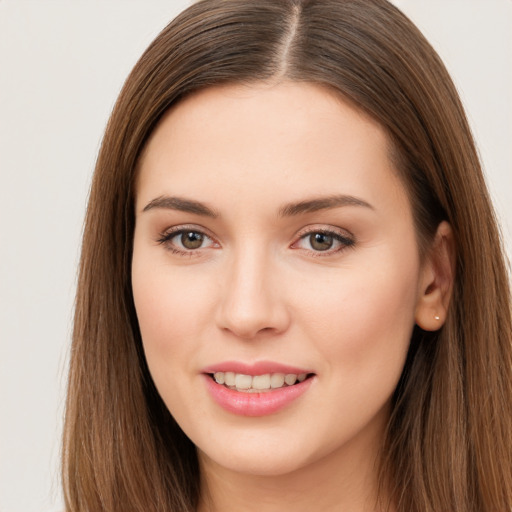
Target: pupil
[(192, 240), (321, 241)]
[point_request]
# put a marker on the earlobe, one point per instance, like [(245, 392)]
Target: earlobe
[(436, 282)]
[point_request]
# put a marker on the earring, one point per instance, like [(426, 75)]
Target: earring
[(437, 317)]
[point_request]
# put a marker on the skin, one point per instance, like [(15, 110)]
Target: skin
[(256, 289)]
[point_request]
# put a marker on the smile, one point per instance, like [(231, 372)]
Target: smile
[(257, 383)]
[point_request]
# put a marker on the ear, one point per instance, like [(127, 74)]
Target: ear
[(436, 280)]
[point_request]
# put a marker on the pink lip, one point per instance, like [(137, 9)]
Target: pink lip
[(259, 368), (254, 404)]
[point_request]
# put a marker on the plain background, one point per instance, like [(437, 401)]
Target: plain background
[(62, 64)]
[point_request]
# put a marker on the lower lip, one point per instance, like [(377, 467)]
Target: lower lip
[(255, 404)]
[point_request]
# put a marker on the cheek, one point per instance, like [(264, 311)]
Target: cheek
[(169, 311), (362, 318), (166, 299), (360, 327)]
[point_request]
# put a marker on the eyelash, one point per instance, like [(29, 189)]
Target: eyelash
[(344, 241), (166, 237)]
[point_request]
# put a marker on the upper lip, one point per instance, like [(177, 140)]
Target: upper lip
[(257, 368)]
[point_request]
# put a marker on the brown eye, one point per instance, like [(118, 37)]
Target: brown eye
[(321, 241), (325, 242), (186, 241), (191, 239)]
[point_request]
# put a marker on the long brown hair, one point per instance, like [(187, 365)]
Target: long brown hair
[(449, 439)]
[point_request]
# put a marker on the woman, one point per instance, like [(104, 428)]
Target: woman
[(292, 290)]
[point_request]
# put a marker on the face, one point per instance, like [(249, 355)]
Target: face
[(276, 275)]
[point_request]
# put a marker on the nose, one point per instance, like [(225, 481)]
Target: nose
[(253, 297)]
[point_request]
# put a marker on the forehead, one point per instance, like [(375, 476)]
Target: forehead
[(299, 137)]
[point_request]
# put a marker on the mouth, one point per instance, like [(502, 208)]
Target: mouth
[(264, 383), (257, 389)]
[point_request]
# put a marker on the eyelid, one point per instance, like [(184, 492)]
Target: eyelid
[(325, 228)]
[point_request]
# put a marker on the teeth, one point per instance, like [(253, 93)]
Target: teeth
[(252, 384), (243, 381), (229, 378), (290, 379), (261, 381), (277, 380)]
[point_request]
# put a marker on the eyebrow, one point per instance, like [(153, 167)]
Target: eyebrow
[(181, 204), (322, 203), (288, 210)]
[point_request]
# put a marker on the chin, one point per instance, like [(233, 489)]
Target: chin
[(260, 456), (257, 463)]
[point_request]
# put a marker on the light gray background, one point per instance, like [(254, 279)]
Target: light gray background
[(62, 64)]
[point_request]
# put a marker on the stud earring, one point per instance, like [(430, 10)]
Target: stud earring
[(437, 317)]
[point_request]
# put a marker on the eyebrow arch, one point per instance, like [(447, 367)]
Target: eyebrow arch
[(181, 204), (322, 203)]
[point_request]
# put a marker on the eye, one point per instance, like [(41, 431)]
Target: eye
[(184, 240), (324, 241), (189, 239)]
